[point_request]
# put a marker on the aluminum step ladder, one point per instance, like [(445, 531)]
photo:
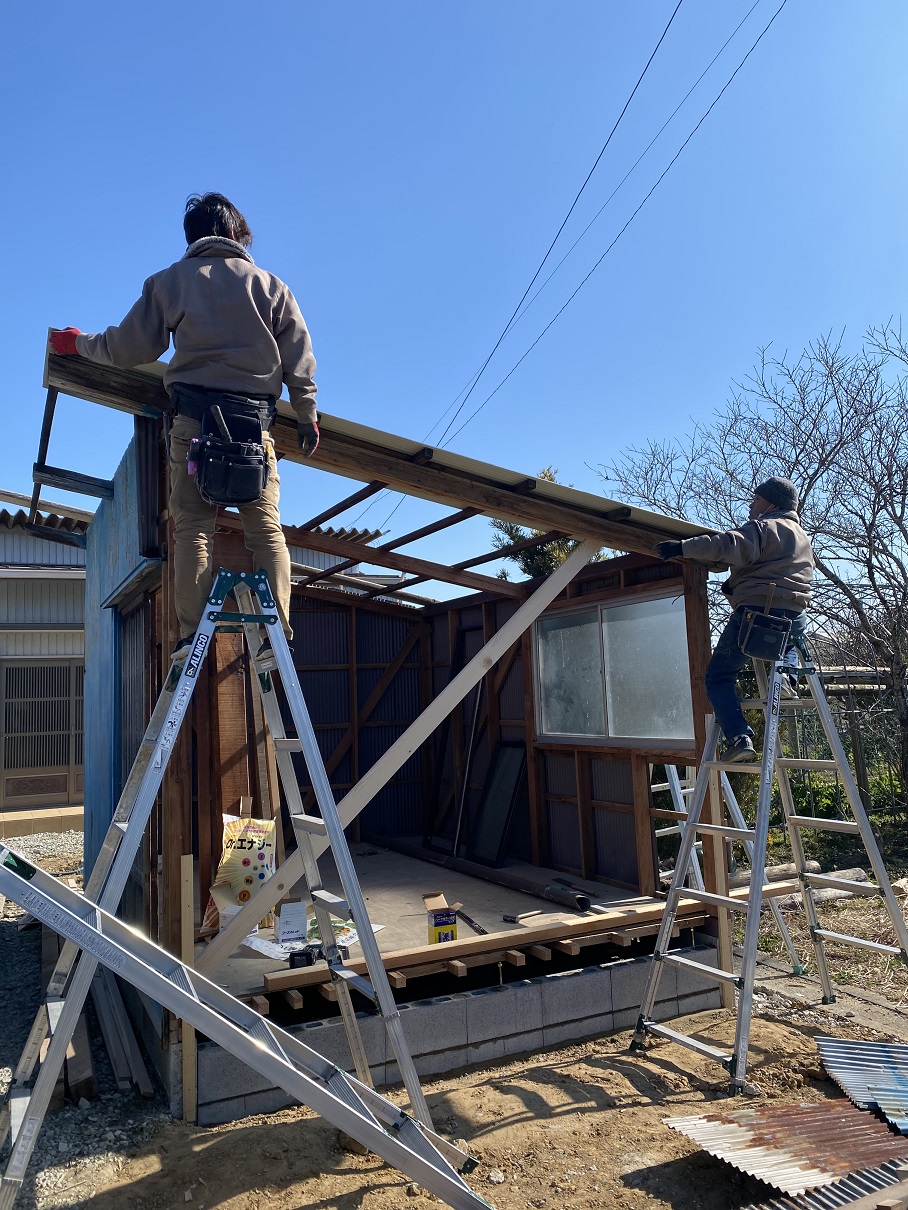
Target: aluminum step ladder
[(774, 768), (354, 1107), (27, 1101), (680, 789)]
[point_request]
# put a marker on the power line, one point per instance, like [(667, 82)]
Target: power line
[(602, 151), (659, 180)]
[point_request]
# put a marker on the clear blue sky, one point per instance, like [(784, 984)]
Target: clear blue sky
[(404, 167)]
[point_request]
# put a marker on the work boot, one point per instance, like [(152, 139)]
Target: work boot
[(741, 748)]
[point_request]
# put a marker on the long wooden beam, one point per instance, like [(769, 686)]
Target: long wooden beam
[(277, 887), (350, 451), (361, 553), (342, 505)]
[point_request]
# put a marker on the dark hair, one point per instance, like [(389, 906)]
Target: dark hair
[(213, 214)]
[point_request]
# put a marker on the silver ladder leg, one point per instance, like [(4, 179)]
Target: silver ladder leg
[(674, 787), (352, 906), (26, 1105), (364, 1114)]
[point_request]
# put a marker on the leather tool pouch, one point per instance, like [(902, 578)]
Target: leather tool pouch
[(231, 460), (763, 635)]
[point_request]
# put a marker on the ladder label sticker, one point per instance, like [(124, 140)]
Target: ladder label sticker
[(86, 939), (198, 652), (172, 724)]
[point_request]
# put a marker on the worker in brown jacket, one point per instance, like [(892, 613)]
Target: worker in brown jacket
[(771, 563), (238, 335)]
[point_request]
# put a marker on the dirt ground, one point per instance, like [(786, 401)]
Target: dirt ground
[(580, 1127)]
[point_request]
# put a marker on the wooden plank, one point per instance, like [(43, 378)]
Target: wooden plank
[(109, 1032), (80, 1068), (229, 720), (647, 873), (294, 999), (571, 948), (271, 891), (261, 1005), (397, 979), (542, 952), (456, 967), (137, 1069), (342, 505), (187, 955), (523, 938)]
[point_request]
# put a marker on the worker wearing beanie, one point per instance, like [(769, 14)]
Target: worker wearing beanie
[(770, 560)]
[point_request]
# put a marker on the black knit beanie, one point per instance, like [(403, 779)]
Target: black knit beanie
[(780, 492)]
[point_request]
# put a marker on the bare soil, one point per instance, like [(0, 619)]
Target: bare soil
[(579, 1127)]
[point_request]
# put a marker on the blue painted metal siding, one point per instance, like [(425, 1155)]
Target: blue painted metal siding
[(111, 555)]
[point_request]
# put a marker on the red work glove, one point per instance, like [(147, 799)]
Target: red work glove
[(63, 340), (307, 436)]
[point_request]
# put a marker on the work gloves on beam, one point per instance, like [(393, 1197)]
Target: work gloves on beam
[(667, 550)]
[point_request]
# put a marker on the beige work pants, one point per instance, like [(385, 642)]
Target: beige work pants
[(194, 521)]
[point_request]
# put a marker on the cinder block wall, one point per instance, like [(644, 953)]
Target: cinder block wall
[(450, 1032)]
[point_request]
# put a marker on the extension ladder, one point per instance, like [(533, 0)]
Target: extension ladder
[(774, 767), (69, 985)]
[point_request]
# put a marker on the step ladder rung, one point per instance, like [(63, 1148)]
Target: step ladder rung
[(721, 829), (724, 901), (824, 825), (800, 762), (675, 1035), (334, 904), (787, 703), (19, 1100), (859, 942), (711, 972), (730, 766), (120, 824), (54, 1007), (842, 884), (313, 824), (287, 743), (363, 986)]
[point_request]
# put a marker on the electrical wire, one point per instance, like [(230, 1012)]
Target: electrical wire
[(659, 180), (564, 222)]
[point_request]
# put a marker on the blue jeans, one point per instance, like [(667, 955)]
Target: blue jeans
[(727, 661)]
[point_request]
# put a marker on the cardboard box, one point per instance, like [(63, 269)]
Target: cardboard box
[(442, 917)]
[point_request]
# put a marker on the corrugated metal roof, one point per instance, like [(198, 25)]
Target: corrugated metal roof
[(855, 1065), (795, 1147), (891, 1098), (47, 520), (842, 1193)]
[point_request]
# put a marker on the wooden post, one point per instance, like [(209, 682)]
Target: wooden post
[(585, 814), (643, 826), (187, 956)]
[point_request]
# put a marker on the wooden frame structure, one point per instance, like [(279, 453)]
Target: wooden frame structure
[(197, 791)]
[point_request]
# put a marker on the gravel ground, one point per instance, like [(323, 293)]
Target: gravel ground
[(79, 1142)]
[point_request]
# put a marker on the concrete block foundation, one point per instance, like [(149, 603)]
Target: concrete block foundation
[(483, 1026)]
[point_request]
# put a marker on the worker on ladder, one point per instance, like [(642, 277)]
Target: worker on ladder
[(772, 564), (238, 334)]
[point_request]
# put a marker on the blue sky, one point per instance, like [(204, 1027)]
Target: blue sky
[(405, 166)]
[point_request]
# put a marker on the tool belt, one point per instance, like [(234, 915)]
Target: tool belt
[(228, 457), (764, 635)]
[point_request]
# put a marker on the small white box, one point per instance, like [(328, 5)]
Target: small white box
[(292, 923)]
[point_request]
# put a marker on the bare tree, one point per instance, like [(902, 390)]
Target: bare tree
[(836, 424)]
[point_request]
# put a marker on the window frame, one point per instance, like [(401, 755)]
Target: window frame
[(607, 740)]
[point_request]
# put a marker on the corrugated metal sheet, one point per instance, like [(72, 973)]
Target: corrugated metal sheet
[(616, 845), (396, 811), (32, 602), (564, 834), (399, 702), (842, 1193), (441, 647), (510, 699), (132, 687), (560, 774), (42, 644), (379, 637), (612, 781), (891, 1098), (17, 546), (795, 1147), (320, 636), (855, 1065), (327, 694)]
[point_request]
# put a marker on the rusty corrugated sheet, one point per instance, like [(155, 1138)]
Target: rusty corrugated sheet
[(843, 1193), (795, 1147), (855, 1065)]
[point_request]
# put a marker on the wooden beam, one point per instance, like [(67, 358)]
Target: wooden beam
[(72, 481), (525, 937), (273, 890), (361, 453), (647, 877), (360, 552), (342, 505)]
